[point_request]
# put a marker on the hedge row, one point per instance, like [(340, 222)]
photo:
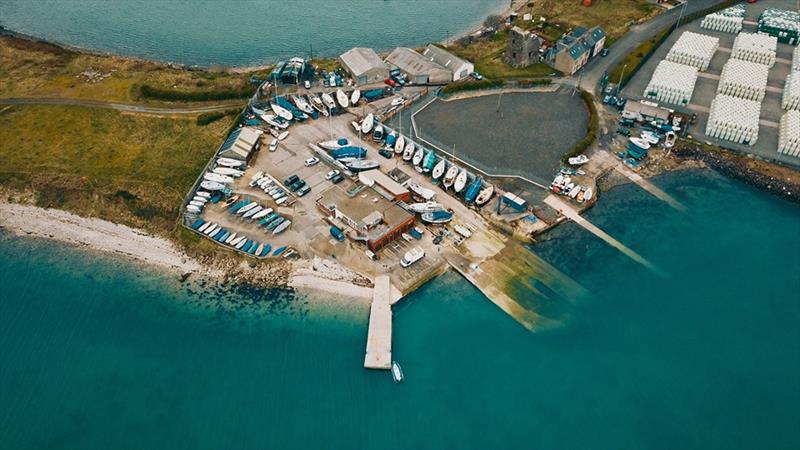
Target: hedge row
[(153, 93), (591, 129), (530, 82), (471, 86), (211, 117)]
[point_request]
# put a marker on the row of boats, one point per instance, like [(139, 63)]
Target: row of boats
[(564, 185), (225, 172), (284, 109), (270, 186), (238, 242), (252, 211)]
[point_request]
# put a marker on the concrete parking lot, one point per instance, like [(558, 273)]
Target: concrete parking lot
[(706, 87)]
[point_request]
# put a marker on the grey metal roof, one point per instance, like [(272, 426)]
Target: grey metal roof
[(412, 62), (443, 57), (360, 60)]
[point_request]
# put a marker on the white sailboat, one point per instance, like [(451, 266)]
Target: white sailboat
[(450, 176), (399, 144), (228, 171), (366, 124), (439, 169), (341, 97), (355, 97), (335, 144), (424, 207), (425, 193), (301, 103), (282, 112), (418, 156), (408, 152), (212, 185), (588, 194), (215, 177), (270, 119), (485, 195), (461, 181), (229, 162), (193, 209), (328, 100)]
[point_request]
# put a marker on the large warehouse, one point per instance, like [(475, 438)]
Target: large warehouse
[(461, 68), (364, 65), (418, 68)]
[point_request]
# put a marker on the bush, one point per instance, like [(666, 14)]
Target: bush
[(530, 82), (591, 129), (471, 86), (493, 21), (153, 93)]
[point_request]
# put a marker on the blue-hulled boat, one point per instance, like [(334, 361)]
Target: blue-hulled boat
[(223, 236), (275, 223), (473, 190), (437, 217), (349, 152), (238, 205), (429, 161), (266, 250), (391, 139), (217, 233), (198, 223), (247, 246), (279, 250), (266, 220), (254, 247), (377, 134)]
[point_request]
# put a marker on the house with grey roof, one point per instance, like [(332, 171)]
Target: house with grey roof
[(574, 50)]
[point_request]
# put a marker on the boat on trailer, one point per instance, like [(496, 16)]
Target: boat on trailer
[(438, 170), (341, 97), (450, 176), (461, 181), (485, 195)]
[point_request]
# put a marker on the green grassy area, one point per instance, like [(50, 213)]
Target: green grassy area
[(38, 69), (591, 129), (487, 55), (128, 168)]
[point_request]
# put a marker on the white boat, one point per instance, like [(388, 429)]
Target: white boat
[(204, 227), (283, 226), (203, 194), (282, 112), (230, 238), (423, 207), (283, 135), (361, 165), (356, 126), (302, 104), (650, 137), (425, 193), (412, 256), (341, 97), (588, 194), (196, 203), (263, 213), (281, 200), (575, 191), (319, 106), (328, 100), (578, 160), (641, 143), (229, 162), (270, 119), (212, 185), (335, 144), (355, 97), (316, 100), (450, 176), (669, 139), (257, 175), (257, 111), (252, 212), (193, 209), (399, 144), (438, 170), (198, 198), (212, 228), (241, 243), (418, 155), (228, 171), (485, 195), (397, 372), (461, 181), (211, 176), (366, 124), (462, 230), (238, 240), (408, 152), (246, 208), (259, 249)]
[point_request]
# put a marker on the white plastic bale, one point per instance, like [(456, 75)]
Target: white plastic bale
[(744, 79), (796, 59), (734, 119), (693, 49), (723, 23), (672, 83), (791, 92), (755, 47), (789, 137)]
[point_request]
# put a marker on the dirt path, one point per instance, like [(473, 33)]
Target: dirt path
[(128, 107)]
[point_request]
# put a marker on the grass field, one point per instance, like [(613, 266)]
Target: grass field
[(36, 69), (127, 168), (487, 55)]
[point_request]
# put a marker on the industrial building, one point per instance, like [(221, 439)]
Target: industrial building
[(289, 72), (418, 69), (390, 189), (461, 68), (241, 144), (364, 65), (575, 49), (522, 48), (646, 111), (371, 219)]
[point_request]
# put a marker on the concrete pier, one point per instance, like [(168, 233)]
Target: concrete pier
[(379, 334), (639, 180)]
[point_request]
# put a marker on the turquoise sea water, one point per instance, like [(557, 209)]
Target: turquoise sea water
[(242, 32), (103, 354)]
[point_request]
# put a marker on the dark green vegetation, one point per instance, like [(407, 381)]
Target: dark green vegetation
[(591, 129), (148, 92), (211, 117)]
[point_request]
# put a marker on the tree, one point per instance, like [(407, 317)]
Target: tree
[(493, 21)]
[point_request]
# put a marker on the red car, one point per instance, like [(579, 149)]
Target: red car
[(390, 82)]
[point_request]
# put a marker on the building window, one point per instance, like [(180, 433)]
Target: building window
[(514, 55)]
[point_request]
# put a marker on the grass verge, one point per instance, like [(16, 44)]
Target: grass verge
[(591, 129)]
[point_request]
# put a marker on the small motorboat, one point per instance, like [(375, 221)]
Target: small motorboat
[(397, 372), (450, 176), (228, 171), (229, 162), (341, 97), (574, 191), (282, 227), (212, 185), (641, 143), (252, 212), (200, 199), (366, 124), (282, 112), (485, 195), (360, 165), (211, 176), (425, 193), (461, 181), (272, 120), (203, 194), (230, 238), (412, 256), (355, 97), (328, 100), (263, 213), (578, 160), (650, 137), (423, 207), (335, 144), (400, 144), (438, 170), (196, 203), (437, 217), (391, 138), (418, 155), (669, 139), (193, 209), (246, 208), (265, 252), (283, 135)]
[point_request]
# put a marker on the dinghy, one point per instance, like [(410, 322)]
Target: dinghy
[(485, 195), (200, 199), (461, 181), (230, 238), (341, 97), (578, 160), (229, 162), (417, 159), (246, 208), (196, 203), (360, 165), (588, 194), (264, 212), (212, 228), (228, 171), (282, 112), (400, 144), (193, 209), (328, 100), (355, 97), (212, 185), (204, 227), (280, 228), (439, 169), (450, 176), (283, 135), (366, 124), (203, 194), (252, 212)]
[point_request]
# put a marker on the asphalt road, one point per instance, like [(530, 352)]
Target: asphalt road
[(129, 107), (594, 71)]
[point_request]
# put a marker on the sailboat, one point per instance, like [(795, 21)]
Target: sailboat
[(400, 144), (438, 171), (450, 176), (429, 161), (328, 100), (302, 104), (341, 97), (423, 207), (282, 112), (473, 190), (461, 181), (417, 159), (229, 162), (360, 165), (408, 153), (335, 144), (377, 135), (211, 176), (272, 120), (355, 97), (485, 195), (366, 124)]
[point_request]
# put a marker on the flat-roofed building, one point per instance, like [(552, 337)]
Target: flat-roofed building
[(241, 144), (373, 219), (384, 185), (645, 110), (418, 68), (461, 68), (364, 65)]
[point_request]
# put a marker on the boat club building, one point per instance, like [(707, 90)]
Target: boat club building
[(364, 65), (241, 144), (373, 219), (461, 68), (390, 189), (418, 68)]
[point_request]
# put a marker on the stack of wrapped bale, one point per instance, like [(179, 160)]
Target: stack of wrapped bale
[(693, 49), (734, 119)]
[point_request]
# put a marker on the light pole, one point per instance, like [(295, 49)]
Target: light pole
[(681, 14), (619, 85)]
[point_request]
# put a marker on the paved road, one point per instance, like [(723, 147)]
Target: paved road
[(593, 72), (129, 107)]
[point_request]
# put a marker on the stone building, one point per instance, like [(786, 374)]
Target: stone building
[(522, 49)]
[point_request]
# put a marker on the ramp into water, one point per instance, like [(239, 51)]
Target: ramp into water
[(642, 182), (379, 334)]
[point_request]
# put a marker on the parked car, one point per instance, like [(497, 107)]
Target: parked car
[(337, 179), (311, 161), (303, 191), (307, 84), (297, 185), (398, 101), (290, 180), (390, 82), (331, 174), (604, 52), (476, 75), (273, 145)]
